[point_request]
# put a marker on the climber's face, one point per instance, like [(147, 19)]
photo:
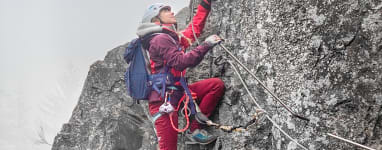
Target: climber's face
[(166, 16)]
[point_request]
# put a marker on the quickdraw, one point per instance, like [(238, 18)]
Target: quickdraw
[(227, 128), (221, 65)]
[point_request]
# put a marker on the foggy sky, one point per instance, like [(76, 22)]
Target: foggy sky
[(46, 48)]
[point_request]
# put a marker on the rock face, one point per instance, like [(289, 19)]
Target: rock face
[(104, 117), (322, 58)]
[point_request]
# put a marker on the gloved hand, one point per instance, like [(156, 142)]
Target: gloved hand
[(213, 40), (209, 1), (206, 4)]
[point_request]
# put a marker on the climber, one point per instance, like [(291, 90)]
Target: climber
[(166, 49)]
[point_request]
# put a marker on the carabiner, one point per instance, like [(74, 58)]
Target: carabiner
[(188, 110)]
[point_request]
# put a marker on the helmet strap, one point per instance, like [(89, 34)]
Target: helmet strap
[(160, 20)]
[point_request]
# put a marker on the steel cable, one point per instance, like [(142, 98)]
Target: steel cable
[(254, 100)]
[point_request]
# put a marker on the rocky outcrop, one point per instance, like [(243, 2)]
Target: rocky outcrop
[(322, 58), (104, 117)]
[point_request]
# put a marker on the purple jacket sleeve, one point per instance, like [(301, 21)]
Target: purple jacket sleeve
[(166, 48)]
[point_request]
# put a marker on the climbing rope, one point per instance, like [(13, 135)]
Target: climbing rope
[(186, 114), (267, 116), (258, 111), (258, 106), (192, 23), (263, 85), (363, 146), (236, 128)]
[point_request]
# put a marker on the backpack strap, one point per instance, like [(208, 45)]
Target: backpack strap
[(182, 81), (188, 93), (159, 80), (146, 56)]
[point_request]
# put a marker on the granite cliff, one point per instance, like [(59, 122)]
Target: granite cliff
[(322, 58)]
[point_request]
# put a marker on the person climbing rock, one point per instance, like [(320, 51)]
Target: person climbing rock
[(166, 51)]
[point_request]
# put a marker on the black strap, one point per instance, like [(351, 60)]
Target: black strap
[(145, 42), (205, 5)]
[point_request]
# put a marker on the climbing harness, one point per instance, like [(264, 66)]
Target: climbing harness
[(190, 107), (203, 119), (351, 142), (263, 85)]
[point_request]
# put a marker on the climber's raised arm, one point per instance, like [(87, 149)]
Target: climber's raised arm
[(197, 24)]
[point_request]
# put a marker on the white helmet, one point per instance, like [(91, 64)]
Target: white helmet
[(152, 11)]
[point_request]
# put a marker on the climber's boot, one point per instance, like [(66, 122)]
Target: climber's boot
[(200, 136)]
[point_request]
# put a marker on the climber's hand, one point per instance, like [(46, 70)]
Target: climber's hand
[(206, 4), (209, 1), (213, 40)]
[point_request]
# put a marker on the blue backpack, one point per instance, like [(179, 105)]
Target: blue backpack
[(138, 78)]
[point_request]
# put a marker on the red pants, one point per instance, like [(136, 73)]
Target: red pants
[(208, 91)]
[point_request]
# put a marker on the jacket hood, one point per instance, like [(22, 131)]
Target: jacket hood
[(148, 28)]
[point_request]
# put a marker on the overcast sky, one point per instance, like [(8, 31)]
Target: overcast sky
[(46, 48)]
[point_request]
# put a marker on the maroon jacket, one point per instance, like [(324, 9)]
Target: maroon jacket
[(166, 48), (169, 48)]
